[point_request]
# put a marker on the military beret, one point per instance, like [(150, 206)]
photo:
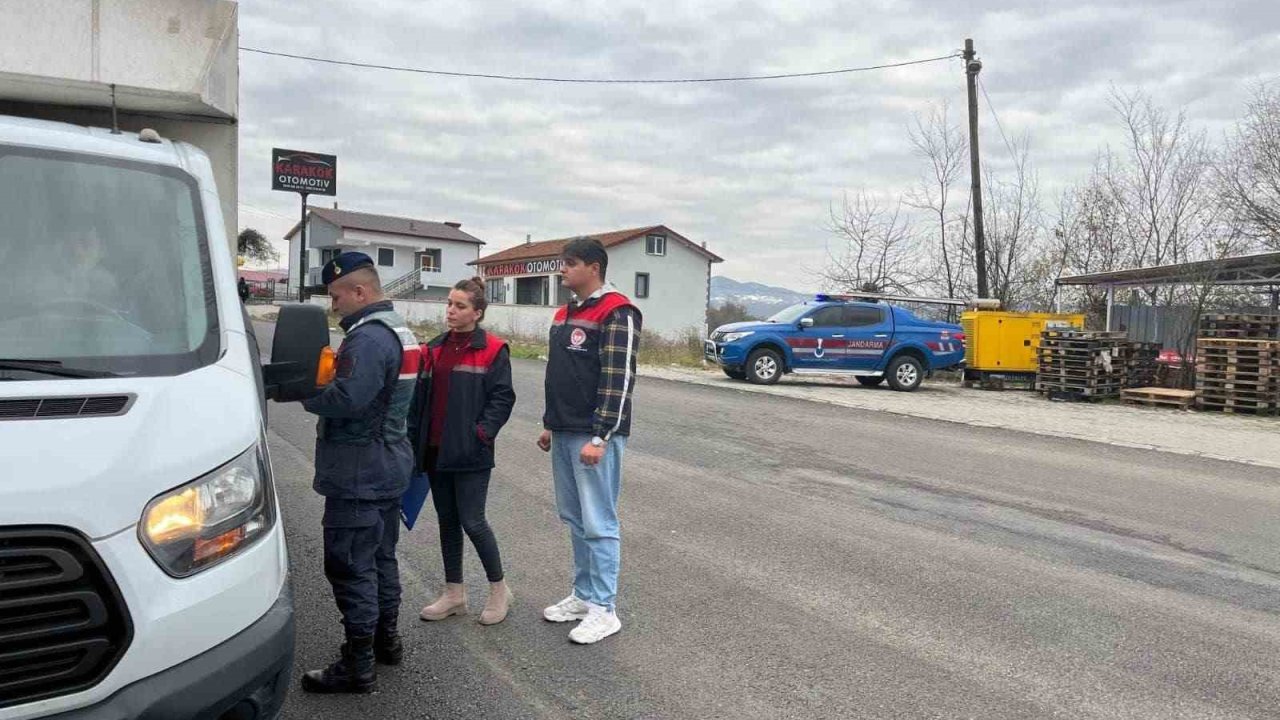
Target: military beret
[(343, 264)]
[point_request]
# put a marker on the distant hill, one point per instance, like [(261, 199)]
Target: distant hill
[(760, 300)]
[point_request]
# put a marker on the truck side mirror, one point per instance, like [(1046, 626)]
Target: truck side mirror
[(300, 354), (806, 322)]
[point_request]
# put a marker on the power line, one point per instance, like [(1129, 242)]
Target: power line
[(530, 78), (999, 126)]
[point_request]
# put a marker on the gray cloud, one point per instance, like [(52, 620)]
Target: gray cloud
[(749, 168)]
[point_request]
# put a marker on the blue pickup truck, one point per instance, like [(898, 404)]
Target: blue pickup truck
[(871, 341)]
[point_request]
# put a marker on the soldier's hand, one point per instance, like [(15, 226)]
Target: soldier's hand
[(544, 441)]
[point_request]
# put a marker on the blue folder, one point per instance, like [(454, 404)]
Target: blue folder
[(414, 498)]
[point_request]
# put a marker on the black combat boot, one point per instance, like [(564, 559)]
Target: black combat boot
[(387, 648), (354, 672)]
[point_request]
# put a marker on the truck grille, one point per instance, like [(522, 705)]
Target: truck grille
[(63, 624)]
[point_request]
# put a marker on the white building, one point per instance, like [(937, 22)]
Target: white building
[(665, 274), (415, 258)]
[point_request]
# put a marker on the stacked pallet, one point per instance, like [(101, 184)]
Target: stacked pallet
[(1238, 364), (1141, 366), (1081, 364)]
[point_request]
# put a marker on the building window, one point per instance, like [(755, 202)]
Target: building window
[(642, 285), (532, 290), (386, 257), (495, 291), (329, 254), (430, 261), (655, 245)]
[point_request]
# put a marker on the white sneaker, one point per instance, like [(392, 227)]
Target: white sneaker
[(567, 610), (598, 625)]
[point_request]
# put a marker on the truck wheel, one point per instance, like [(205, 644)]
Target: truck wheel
[(870, 381), (764, 367), (905, 373), (735, 374)]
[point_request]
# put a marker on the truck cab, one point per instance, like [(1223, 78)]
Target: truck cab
[(871, 341), (143, 568)]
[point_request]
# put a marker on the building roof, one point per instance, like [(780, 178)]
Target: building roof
[(1260, 269), (390, 224), (552, 248)]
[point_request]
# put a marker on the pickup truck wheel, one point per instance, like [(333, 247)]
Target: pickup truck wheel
[(735, 374), (905, 373), (764, 367), (870, 381)]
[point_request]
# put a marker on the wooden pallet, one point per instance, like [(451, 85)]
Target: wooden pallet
[(1221, 343), (1159, 397), (1240, 326), (1231, 406), (1228, 371), (1113, 335)]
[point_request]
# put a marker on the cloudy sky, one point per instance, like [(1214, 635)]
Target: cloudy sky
[(750, 168)]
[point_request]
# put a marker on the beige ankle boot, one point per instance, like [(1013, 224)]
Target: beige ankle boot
[(495, 609), (453, 601)]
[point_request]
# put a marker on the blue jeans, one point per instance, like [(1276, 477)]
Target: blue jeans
[(587, 498)]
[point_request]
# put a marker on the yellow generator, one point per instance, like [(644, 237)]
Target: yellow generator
[(1000, 347)]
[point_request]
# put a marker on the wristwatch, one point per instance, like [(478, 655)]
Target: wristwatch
[(597, 441)]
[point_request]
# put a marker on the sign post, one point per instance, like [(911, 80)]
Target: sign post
[(305, 173)]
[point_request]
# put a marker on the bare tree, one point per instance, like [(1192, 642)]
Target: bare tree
[(1249, 173), (1088, 236), (877, 248), (1167, 207), (945, 152), (1012, 219)]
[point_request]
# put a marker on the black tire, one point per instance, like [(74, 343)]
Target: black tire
[(870, 381), (735, 374), (905, 373), (764, 367)]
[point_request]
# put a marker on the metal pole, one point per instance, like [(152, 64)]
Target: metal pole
[(972, 66), (1111, 301), (302, 255)]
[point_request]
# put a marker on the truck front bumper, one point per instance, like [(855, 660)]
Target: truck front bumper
[(244, 678)]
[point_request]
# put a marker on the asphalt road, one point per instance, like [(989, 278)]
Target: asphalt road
[(787, 559)]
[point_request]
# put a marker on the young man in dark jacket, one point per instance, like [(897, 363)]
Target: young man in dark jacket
[(591, 372), (363, 465)]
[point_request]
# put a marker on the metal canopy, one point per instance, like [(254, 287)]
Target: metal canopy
[(1260, 269)]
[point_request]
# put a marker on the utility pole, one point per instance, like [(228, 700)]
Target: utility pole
[(973, 66), (302, 254)]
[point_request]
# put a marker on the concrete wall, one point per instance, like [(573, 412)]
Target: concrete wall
[(677, 302)]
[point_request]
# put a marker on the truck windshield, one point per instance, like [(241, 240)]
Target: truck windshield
[(106, 266), (791, 314)]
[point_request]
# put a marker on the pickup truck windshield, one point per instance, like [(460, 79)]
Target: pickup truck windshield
[(791, 314), (106, 266)]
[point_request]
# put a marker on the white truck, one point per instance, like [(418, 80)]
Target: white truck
[(143, 571)]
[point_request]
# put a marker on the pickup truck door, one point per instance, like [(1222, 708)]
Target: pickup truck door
[(868, 336), (820, 347)]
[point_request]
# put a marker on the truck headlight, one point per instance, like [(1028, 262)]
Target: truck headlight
[(730, 337), (208, 520)]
